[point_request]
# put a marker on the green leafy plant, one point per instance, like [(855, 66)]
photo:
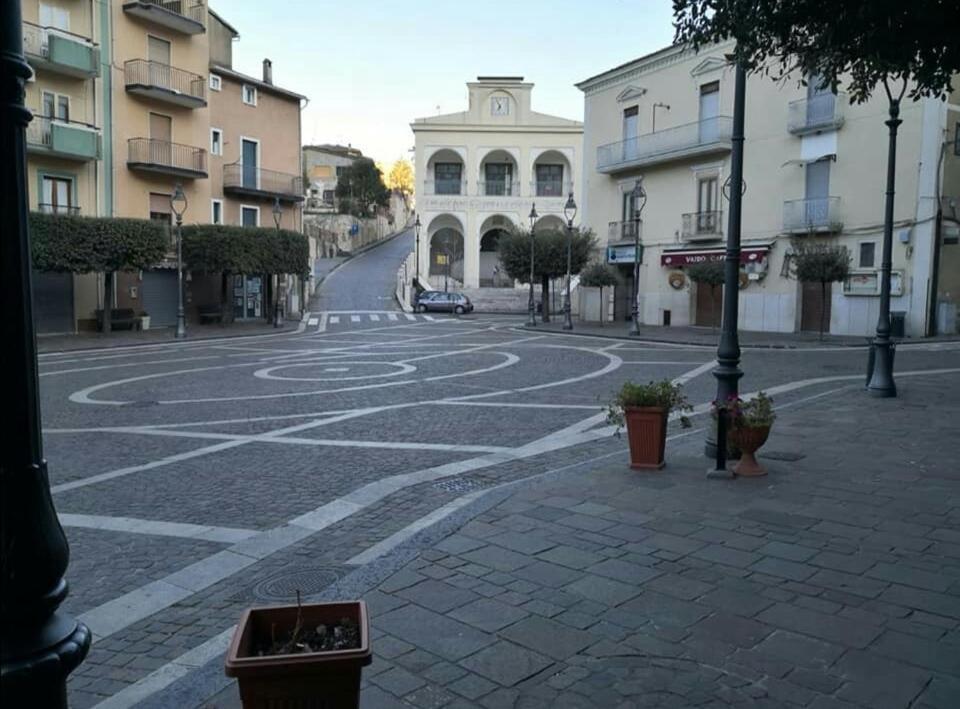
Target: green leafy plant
[(663, 394), (598, 275), (756, 412), (360, 187)]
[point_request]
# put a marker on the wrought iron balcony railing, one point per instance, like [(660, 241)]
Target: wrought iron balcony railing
[(702, 225), (624, 231), (186, 16), (498, 188), (551, 188), (709, 135), (63, 138), (812, 215), (61, 51), (165, 82), (445, 187), (163, 156), (254, 180), (822, 112)]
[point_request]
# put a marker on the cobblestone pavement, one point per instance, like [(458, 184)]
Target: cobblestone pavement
[(196, 478)]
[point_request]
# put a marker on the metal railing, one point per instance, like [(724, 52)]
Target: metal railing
[(40, 129), (704, 225), (820, 214), (551, 188), (498, 188), (620, 231), (255, 178), (445, 187), (46, 208), (644, 147), (817, 112), (36, 39), (193, 10), (164, 154), (150, 74)]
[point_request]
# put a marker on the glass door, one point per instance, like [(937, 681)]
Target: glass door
[(709, 111), (249, 162)]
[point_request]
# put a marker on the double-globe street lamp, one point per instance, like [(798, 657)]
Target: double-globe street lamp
[(639, 198), (532, 305), (277, 215), (569, 211), (178, 204)]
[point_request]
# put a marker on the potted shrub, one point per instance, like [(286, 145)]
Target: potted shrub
[(644, 409), (300, 656), (144, 320), (749, 425)]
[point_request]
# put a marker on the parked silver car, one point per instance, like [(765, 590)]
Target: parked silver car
[(444, 302)]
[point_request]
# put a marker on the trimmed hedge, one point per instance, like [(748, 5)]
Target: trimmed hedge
[(217, 248), (91, 244)]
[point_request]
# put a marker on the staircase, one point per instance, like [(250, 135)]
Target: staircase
[(500, 300)]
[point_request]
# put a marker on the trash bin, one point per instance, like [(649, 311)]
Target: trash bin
[(898, 320)]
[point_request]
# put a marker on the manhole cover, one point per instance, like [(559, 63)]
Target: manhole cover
[(459, 485), (782, 455), (284, 586)]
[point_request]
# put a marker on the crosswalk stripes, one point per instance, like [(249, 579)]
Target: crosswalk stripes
[(366, 316), (409, 316), (374, 317), (354, 318), (334, 319), (429, 317), (392, 316)]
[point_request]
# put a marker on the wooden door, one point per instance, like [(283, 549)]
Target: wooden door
[(813, 304), (709, 306)]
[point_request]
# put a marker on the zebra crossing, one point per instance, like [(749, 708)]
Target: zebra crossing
[(323, 320)]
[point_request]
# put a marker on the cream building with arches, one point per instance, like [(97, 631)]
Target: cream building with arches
[(480, 171)]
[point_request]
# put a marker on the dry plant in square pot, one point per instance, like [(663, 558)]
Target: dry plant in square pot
[(300, 656), (749, 425), (644, 409)]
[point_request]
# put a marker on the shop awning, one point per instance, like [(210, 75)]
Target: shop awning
[(674, 258)]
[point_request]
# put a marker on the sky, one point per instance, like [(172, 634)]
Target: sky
[(370, 67)]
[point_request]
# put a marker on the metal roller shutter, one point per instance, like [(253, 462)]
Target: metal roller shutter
[(158, 293), (53, 302)]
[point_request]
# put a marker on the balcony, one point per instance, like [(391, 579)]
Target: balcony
[(706, 137), (445, 187), (60, 51), (819, 113), (251, 181), (60, 209), (498, 188), (550, 188), (165, 83), (618, 232), (63, 139), (184, 16), (702, 226), (804, 216), (166, 158)]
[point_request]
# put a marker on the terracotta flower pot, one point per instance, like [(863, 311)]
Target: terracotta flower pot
[(298, 681), (647, 435), (749, 440)]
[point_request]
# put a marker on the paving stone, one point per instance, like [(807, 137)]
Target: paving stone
[(908, 576), (673, 543), (390, 647), (541, 607), (827, 627), (523, 543), (433, 632), (497, 558), (732, 629), (628, 532), (800, 650), (488, 614), (397, 681), (779, 519), (848, 583), (927, 601), (790, 552), (783, 568), (602, 590), (472, 686), (817, 680), (724, 555), (373, 697), (400, 580), (437, 595), (624, 571), (918, 651), (506, 663), (548, 637), (428, 697), (878, 682), (679, 586), (570, 557), (458, 544), (547, 574), (746, 603), (417, 660), (577, 620), (666, 609)]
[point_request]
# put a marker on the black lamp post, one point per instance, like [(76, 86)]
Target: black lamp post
[(40, 645), (277, 215), (416, 257), (569, 211), (639, 202), (178, 203), (532, 305), (728, 372)]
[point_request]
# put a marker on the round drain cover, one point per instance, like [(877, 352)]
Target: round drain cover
[(284, 586)]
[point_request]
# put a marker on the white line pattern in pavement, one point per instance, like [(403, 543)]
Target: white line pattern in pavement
[(224, 535)]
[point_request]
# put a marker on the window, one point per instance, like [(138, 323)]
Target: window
[(216, 143), (216, 211), (56, 106), (549, 180), (631, 126), (250, 95), (709, 111), (498, 178), (707, 194), (340, 169), (447, 175), (160, 209), (328, 196), (249, 216), (868, 251), (57, 195), (51, 16), (214, 82)]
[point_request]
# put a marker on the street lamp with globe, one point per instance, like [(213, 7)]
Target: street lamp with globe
[(178, 205), (639, 198), (532, 305), (277, 216), (569, 211)]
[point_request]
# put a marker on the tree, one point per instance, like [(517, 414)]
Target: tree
[(96, 244), (400, 177), (820, 263), (550, 256), (708, 273), (599, 275), (360, 187)]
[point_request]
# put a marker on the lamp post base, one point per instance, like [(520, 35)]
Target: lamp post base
[(181, 331), (881, 380), (34, 672)]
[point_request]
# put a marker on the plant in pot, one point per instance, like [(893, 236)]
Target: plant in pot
[(300, 656), (644, 409), (749, 425)]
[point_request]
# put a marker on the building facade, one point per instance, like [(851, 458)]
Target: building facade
[(322, 165), (480, 171), (130, 98), (814, 168)]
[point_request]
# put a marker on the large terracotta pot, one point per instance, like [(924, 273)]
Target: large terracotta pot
[(302, 681), (749, 440), (647, 435)]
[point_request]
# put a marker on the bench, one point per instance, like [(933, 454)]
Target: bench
[(120, 319), (210, 314)]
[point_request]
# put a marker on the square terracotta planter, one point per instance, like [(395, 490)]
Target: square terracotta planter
[(312, 680), (647, 435)]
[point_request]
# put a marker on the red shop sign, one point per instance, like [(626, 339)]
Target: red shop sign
[(687, 257)]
